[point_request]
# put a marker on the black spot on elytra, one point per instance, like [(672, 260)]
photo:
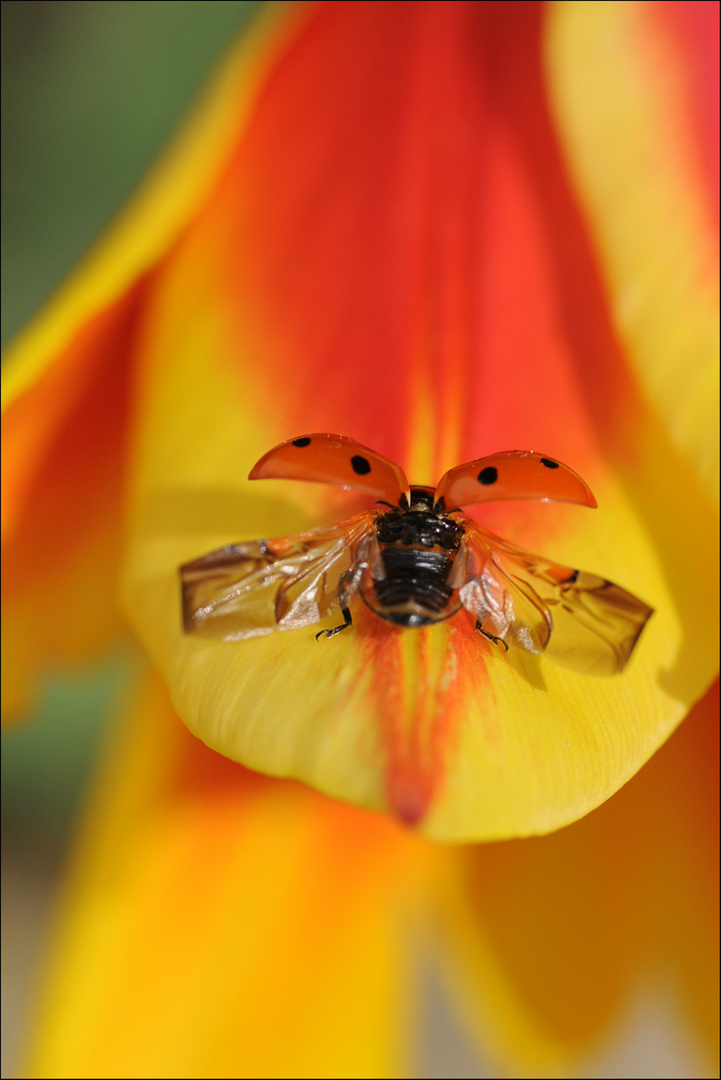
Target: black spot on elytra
[(305, 441), (548, 463), (489, 475), (360, 465)]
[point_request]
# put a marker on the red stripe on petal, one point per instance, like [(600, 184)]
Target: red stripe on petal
[(694, 26), (420, 680), (401, 249)]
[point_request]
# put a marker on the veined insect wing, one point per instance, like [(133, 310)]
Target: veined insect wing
[(579, 620), (248, 589)]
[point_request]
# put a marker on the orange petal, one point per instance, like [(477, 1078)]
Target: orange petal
[(211, 918)]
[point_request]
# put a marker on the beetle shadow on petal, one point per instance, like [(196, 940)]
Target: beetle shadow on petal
[(527, 666), (228, 513)]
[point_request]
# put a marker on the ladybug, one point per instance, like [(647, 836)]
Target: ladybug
[(414, 559)]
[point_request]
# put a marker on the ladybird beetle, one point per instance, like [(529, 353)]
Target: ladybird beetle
[(414, 559)]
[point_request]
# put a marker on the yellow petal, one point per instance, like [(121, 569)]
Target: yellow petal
[(220, 924), (436, 726), (622, 88)]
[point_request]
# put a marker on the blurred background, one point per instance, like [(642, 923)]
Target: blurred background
[(91, 92)]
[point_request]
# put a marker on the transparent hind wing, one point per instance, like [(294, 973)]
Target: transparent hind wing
[(579, 620), (249, 589)]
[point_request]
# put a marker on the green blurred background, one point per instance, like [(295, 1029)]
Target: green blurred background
[(91, 92)]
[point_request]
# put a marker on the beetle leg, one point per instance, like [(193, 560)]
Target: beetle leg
[(491, 637), (336, 629)]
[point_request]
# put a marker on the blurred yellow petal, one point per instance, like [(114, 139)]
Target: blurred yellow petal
[(235, 908), (623, 82), (550, 937), (678, 804), (220, 924)]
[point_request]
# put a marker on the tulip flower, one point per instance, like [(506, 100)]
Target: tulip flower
[(443, 229)]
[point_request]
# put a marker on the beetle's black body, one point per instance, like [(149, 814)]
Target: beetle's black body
[(417, 546), (414, 578), (417, 543)]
